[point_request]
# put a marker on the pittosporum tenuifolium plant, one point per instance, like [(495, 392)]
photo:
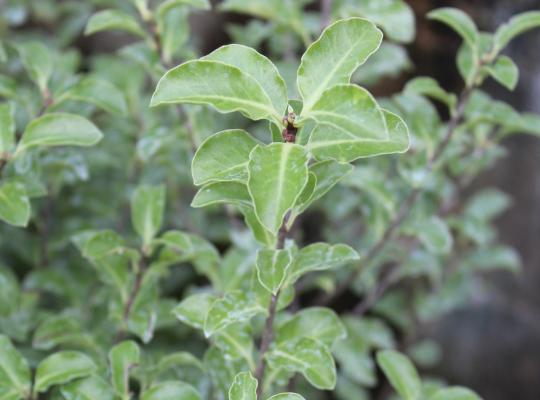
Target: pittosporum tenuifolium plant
[(172, 260)]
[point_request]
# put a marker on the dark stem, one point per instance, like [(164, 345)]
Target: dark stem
[(405, 208), (268, 333)]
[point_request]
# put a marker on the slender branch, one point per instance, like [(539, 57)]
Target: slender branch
[(406, 207), (268, 333)]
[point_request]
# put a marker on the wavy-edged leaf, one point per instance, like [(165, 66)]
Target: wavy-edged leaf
[(459, 22), (259, 67), (122, 358), (504, 71), (317, 323), (222, 192), (113, 20), (319, 256), (244, 387), (147, 208), (59, 129), (14, 204), (236, 341), (14, 371), (517, 25), (233, 307), (272, 268), (332, 59), (62, 367), (223, 157), (401, 373), (308, 357), (171, 391), (277, 174), (220, 85), (352, 110), (329, 142)]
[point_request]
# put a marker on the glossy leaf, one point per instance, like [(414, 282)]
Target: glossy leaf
[(350, 109), (236, 342), (7, 127), (90, 388), (272, 267), (277, 174), (286, 396), (233, 307), (505, 72), (317, 323), (222, 192), (62, 367), (122, 358), (113, 20), (220, 85), (332, 59), (59, 129), (330, 142), (308, 357), (459, 22), (401, 373), (517, 25), (14, 204), (223, 157), (171, 391), (319, 256), (14, 371), (38, 62), (147, 208), (244, 387), (260, 68), (194, 309)]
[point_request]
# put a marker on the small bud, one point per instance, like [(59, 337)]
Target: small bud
[(290, 110)]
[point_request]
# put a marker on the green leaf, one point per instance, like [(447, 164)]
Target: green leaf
[(517, 25), (107, 20), (14, 204), (236, 341), (272, 267), (173, 26), (14, 371), (318, 257), (459, 22), (233, 307), (223, 157), (171, 391), (62, 367), (261, 234), (332, 59), (38, 62), (90, 388), (222, 192), (193, 310), (330, 142), (56, 330), (147, 207), (434, 234), (220, 85), (286, 396), (257, 66), (430, 87), (395, 17), (99, 92), (317, 323), (244, 387), (9, 292), (7, 128), (350, 109), (505, 72), (455, 393), (308, 357), (277, 174), (59, 129), (401, 373), (122, 358), (169, 4), (328, 174)]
